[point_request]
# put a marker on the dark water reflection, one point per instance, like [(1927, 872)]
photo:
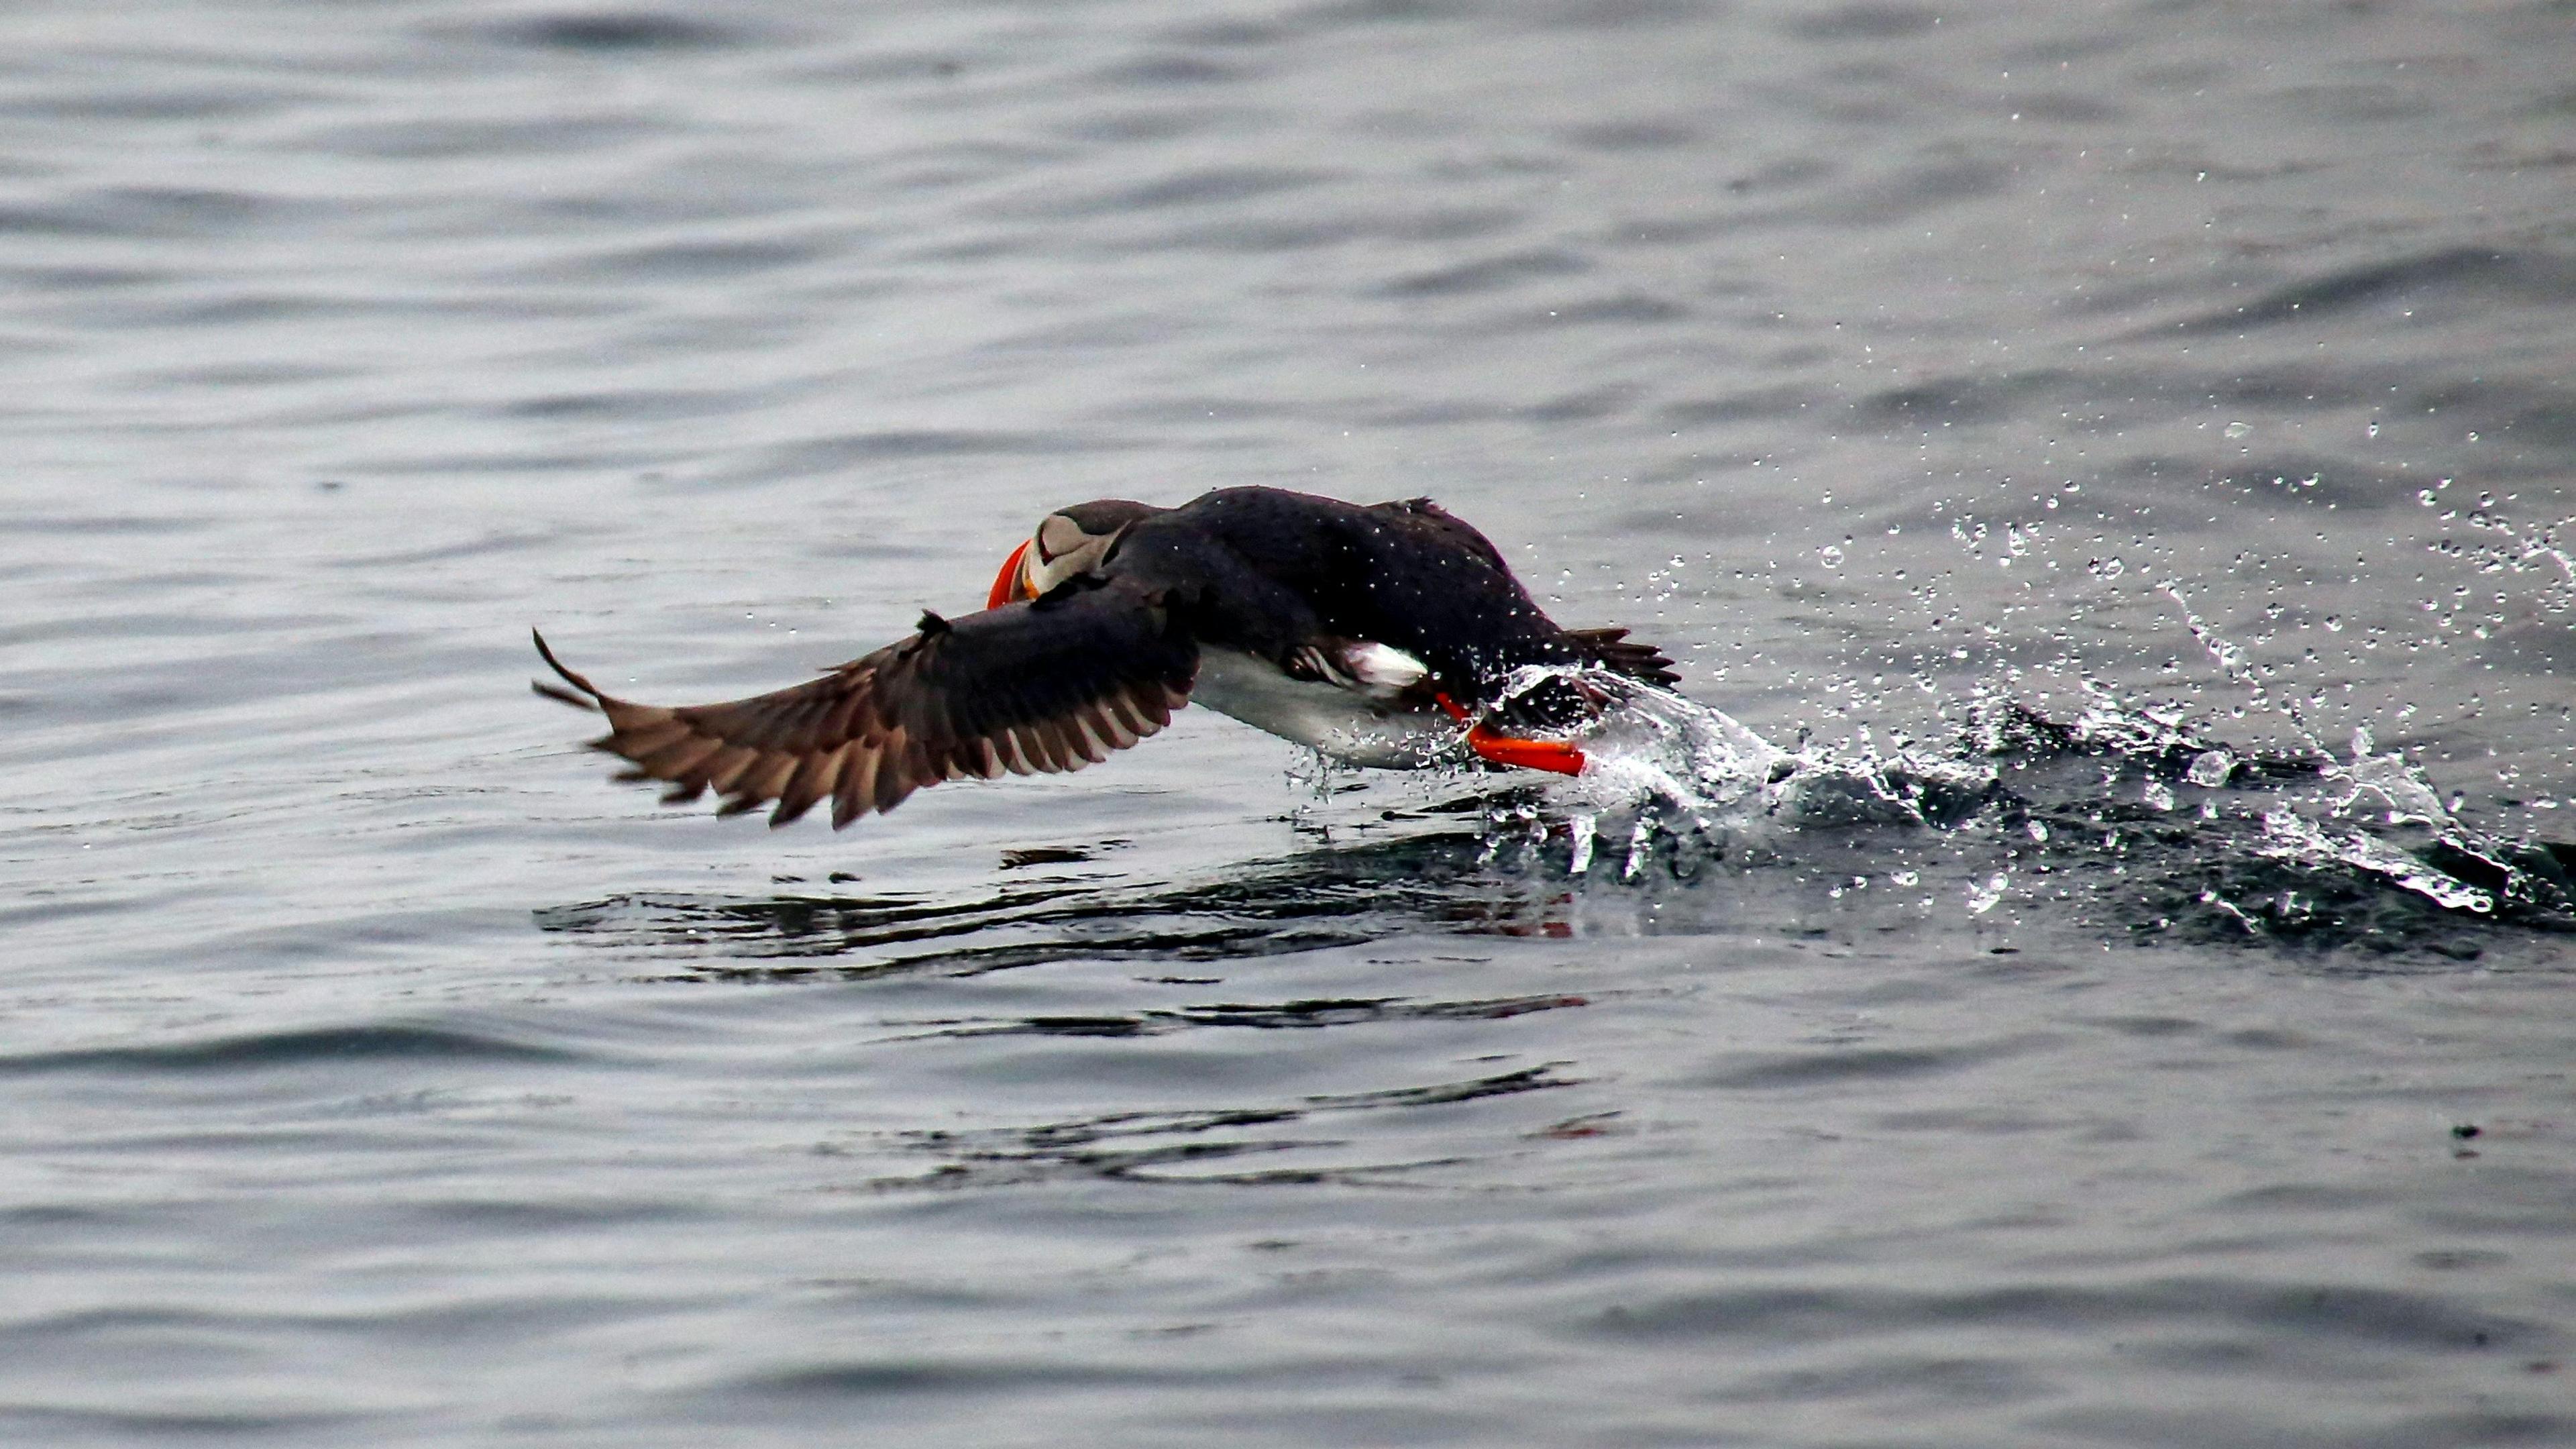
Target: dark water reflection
[(1330, 897), (379, 1075)]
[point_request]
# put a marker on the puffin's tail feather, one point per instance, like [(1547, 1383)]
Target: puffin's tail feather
[(1612, 650), (589, 696)]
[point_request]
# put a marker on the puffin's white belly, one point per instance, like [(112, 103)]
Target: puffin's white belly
[(1344, 724)]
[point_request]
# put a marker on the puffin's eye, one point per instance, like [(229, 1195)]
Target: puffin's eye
[(1058, 536)]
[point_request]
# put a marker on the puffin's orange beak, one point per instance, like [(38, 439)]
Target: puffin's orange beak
[(1010, 583)]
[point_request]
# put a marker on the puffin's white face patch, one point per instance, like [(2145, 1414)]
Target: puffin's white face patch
[(1060, 550), (1058, 536)]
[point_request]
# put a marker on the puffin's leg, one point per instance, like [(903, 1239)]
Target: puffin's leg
[(1554, 756)]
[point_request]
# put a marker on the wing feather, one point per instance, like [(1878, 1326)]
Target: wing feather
[(678, 758), (1016, 745), (729, 764), (858, 788), (1029, 688), (898, 770), (813, 779), (1613, 650)]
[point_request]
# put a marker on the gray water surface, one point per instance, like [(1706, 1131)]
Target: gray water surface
[(375, 1073)]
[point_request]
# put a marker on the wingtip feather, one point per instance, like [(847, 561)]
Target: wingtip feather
[(874, 731), (589, 697)]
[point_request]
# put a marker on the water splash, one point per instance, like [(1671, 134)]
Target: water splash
[(2210, 768), (1652, 750), (2409, 797), (2269, 845), (2292, 837)]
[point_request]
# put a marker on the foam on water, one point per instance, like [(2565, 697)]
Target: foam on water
[(1668, 776)]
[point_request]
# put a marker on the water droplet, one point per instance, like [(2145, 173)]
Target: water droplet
[(2238, 430), (1982, 899), (1584, 828), (2210, 769)]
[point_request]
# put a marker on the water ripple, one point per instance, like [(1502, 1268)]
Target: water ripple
[(270, 1050)]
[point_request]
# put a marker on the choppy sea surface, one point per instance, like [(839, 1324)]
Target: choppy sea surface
[(2086, 963)]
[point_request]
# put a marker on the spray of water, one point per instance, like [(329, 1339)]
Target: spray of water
[(1674, 780)]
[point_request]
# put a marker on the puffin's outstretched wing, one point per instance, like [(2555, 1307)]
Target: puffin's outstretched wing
[(1044, 687)]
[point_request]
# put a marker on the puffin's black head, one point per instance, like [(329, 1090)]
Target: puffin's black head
[(1067, 542)]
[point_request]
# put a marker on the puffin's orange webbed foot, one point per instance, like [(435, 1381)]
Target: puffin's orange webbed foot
[(1554, 756)]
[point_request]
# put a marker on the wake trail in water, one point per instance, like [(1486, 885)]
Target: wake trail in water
[(2161, 815)]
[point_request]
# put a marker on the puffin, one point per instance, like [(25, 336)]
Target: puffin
[(1383, 635)]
